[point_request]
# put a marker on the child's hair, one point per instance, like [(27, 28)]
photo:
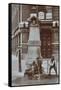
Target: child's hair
[(52, 58), (33, 62), (37, 58)]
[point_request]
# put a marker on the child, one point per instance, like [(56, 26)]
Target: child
[(52, 66)]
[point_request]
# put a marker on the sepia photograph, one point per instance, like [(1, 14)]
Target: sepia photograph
[(34, 44)]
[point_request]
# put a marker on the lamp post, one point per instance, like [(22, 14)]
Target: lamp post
[(20, 37)]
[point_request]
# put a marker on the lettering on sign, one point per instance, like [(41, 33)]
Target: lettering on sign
[(41, 15), (49, 15), (33, 15), (34, 43)]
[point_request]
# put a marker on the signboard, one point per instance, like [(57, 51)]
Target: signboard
[(34, 43), (41, 15), (23, 24), (33, 15), (49, 15)]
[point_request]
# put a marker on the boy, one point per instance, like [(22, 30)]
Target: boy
[(52, 65)]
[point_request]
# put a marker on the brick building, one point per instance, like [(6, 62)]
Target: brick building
[(48, 20), (26, 12)]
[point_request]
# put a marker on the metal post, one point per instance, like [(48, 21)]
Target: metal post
[(21, 32), (19, 61), (47, 66), (20, 51), (19, 55)]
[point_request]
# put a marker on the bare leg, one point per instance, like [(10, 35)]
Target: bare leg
[(55, 68), (50, 69)]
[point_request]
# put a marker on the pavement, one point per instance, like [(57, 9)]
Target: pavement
[(18, 78), (44, 79)]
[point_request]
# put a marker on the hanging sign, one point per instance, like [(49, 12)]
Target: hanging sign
[(41, 15), (49, 15)]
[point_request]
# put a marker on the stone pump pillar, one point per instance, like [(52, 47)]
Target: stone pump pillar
[(34, 41)]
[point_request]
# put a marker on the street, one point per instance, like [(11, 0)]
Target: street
[(44, 79)]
